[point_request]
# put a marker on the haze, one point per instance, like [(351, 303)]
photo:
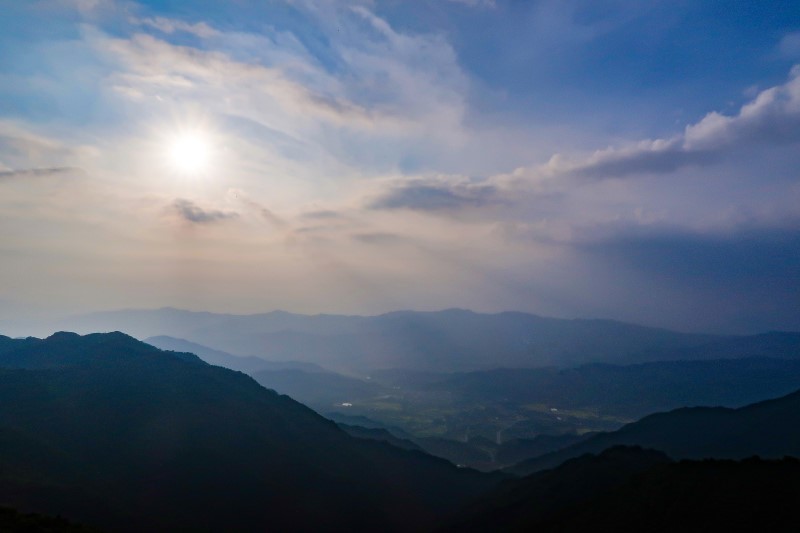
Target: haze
[(616, 159)]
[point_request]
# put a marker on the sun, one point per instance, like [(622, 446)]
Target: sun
[(189, 152)]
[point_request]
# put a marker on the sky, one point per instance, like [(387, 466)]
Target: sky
[(620, 159)]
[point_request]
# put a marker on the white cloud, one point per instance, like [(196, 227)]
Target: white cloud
[(772, 117), (724, 172), (169, 26)]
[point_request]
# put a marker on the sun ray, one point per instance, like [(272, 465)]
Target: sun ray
[(189, 152)]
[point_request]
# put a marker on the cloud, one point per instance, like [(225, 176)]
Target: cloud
[(770, 119), (436, 195), (265, 213), (773, 117), (646, 157), (155, 67), (191, 212), (393, 79), (311, 113), (169, 26), (366, 96), (36, 172)]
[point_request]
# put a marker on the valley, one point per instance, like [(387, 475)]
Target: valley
[(486, 418)]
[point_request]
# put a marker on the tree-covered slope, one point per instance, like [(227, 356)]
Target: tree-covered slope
[(769, 429), (115, 433), (628, 489)]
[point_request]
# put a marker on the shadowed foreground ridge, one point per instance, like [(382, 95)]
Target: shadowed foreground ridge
[(630, 489), (12, 520), (114, 433)]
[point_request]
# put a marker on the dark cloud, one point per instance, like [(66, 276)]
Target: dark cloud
[(36, 172), (434, 196), (191, 212)]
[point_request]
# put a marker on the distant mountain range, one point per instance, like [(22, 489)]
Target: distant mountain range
[(247, 364), (444, 341), (114, 433)]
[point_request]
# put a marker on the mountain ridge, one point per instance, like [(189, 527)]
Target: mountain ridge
[(769, 429), (117, 434), (448, 340)]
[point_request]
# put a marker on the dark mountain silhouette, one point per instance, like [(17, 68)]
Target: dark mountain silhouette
[(366, 422), (770, 429), (632, 490), (520, 502), (380, 435), (112, 432), (12, 520), (515, 450)]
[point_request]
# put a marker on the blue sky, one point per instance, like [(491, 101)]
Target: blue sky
[(616, 159)]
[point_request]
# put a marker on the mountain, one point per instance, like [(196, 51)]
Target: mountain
[(379, 434), (632, 490), (517, 450), (446, 341), (495, 418), (246, 364), (769, 429), (307, 383), (12, 520), (114, 433), (529, 501)]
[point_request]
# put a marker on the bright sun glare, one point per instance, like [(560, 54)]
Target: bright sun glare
[(190, 152)]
